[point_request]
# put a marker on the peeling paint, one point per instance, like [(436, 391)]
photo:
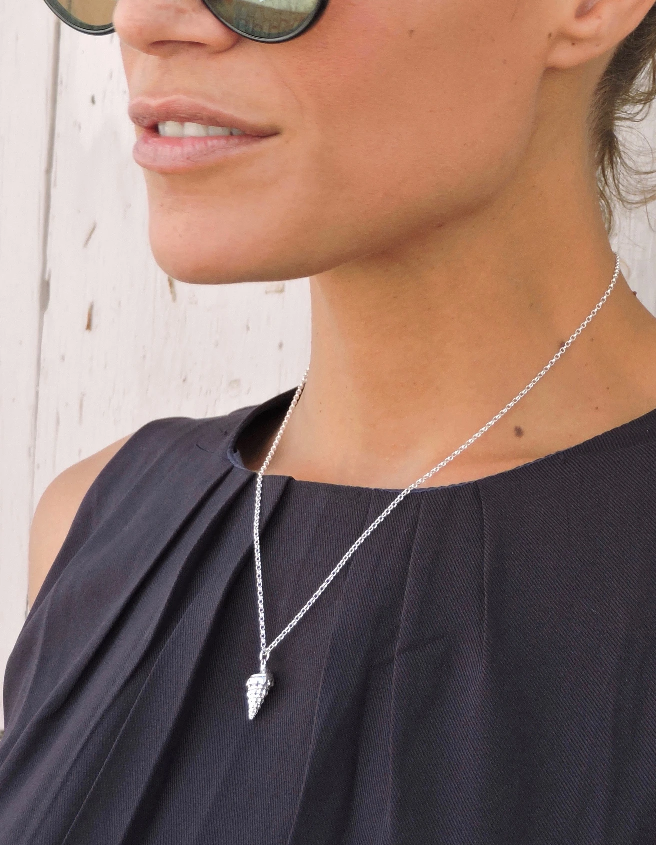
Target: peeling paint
[(274, 287), (90, 235)]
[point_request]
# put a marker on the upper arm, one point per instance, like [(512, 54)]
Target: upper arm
[(56, 510)]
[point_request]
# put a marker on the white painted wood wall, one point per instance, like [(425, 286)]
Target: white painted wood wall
[(94, 340)]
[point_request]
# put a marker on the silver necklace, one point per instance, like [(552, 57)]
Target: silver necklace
[(259, 684)]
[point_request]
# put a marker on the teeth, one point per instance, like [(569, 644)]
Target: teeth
[(194, 130), (173, 129)]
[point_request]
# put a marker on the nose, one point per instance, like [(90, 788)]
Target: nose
[(164, 27)]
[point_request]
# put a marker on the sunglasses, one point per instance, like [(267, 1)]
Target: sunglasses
[(271, 21)]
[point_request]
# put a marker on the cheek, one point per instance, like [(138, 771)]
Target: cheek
[(432, 101)]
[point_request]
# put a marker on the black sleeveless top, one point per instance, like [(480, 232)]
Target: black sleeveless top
[(481, 672)]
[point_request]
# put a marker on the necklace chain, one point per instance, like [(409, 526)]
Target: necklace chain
[(265, 650)]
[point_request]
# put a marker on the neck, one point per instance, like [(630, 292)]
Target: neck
[(415, 349)]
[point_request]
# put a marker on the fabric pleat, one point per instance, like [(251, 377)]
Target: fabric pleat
[(482, 671)]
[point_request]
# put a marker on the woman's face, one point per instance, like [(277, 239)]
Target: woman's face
[(386, 118)]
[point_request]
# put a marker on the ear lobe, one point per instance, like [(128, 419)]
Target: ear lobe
[(585, 6), (594, 28)]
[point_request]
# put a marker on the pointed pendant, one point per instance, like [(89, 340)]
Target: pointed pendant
[(257, 686)]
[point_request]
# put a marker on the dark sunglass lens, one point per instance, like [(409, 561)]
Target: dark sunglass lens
[(268, 20), (90, 15)]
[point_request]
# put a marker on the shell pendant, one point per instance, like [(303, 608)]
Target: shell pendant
[(257, 686)]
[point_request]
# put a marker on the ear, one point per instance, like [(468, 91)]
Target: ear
[(590, 28)]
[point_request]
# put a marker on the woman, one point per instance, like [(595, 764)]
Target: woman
[(481, 669)]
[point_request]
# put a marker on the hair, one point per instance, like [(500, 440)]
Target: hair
[(622, 99)]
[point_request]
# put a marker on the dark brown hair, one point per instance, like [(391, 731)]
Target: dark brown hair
[(623, 96)]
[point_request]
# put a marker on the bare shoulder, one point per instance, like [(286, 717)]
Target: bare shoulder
[(56, 510)]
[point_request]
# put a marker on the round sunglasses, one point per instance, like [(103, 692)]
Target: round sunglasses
[(271, 21)]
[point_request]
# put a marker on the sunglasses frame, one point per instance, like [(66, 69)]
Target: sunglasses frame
[(108, 29)]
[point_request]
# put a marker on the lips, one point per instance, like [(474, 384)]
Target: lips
[(178, 155), (148, 112)]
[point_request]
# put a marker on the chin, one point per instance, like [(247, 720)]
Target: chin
[(225, 260), (221, 269), (210, 231), (262, 242)]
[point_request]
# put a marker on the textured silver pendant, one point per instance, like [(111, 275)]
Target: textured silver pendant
[(257, 686)]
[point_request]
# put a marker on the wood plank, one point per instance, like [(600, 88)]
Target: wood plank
[(27, 53), (635, 235)]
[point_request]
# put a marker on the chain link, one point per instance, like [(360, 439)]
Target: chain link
[(265, 650)]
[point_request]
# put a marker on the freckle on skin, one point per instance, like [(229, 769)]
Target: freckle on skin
[(519, 431), (411, 32), (561, 344)]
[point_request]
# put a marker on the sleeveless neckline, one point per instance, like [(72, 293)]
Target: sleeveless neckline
[(481, 670), (617, 437)]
